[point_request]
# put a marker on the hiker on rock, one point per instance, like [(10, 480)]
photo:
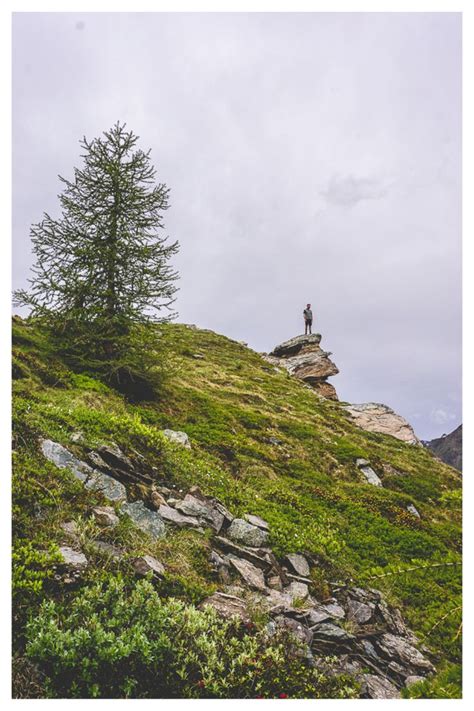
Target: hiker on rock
[(308, 319)]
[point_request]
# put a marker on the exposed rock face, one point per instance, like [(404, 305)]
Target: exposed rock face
[(375, 417), (72, 559), (303, 357), (448, 448)]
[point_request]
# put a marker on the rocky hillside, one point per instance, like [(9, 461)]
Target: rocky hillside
[(238, 537), (448, 448)]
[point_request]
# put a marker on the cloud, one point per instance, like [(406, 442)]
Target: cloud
[(349, 190), (441, 417)]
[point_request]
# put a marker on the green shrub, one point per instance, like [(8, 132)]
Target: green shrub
[(116, 642)]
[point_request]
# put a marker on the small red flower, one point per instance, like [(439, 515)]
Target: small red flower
[(200, 683), (259, 697), (283, 695)]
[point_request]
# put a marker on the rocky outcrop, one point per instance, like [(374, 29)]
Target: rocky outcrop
[(303, 357), (448, 448), (375, 417), (354, 631)]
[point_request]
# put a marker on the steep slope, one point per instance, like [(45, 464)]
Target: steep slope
[(448, 448), (264, 445)]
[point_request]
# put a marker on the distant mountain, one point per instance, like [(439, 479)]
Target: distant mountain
[(448, 448)]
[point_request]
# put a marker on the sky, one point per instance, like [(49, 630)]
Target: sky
[(311, 157)]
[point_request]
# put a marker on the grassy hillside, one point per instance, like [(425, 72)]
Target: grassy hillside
[(263, 443)]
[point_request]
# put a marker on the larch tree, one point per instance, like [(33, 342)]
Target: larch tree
[(102, 268)]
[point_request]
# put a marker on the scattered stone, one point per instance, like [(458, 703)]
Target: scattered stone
[(375, 417), (299, 564), (198, 356), (228, 606), (252, 575), (192, 506), (173, 501), (376, 687), (148, 521), (177, 437), (108, 549), (107, 485), (368, 472), (327, 631), (146, 563), (243, 532), (77, 437), (254, 556), (105, 516), (274, 581), (172, 516), (413, 679), (70, 528), (228, 517), (317, 615), (398, 649), (360, 612), (115, 458), (157, 499), (303, 634), (412, 509), (257, 521), (62, 458), (297, 591), (275, 441), (334, 610), (72, 559)]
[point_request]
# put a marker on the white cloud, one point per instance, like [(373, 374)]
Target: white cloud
[(440, 416), (350, 189)]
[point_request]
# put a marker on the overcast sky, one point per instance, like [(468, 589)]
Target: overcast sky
[(311, 157)]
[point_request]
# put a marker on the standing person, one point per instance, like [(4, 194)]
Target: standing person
[(308, 319)]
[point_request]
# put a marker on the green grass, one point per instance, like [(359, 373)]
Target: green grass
[(307, 487)]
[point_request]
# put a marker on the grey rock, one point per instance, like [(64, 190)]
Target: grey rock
[(360, 612), (278, 599), (295, 345), (252, 575), (396, 648), (115, 458), (243, 532), (274, 581), (105, 516), (77, 437), (148, 564), (298, 563), (297, 591), (148, 521), (72, 559), (174, 517), (327, 631), (365, 595), (302, 633), (107, 485), (70, 528), (368, 472), (317, 615), (108, 549), (412, 509), (228, 606), (376, 687), (157, 499), (177, 437), (413, 679), (334, 610), (192, 506), (255, 556), (62, 458), (392, 618), (257, 521)]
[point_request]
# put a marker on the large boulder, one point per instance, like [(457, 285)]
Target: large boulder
[(375, 417), (303, 358)]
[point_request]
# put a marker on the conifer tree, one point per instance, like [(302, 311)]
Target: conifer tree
[(102, 268)]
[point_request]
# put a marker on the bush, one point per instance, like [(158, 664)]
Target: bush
[(116, 641)]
